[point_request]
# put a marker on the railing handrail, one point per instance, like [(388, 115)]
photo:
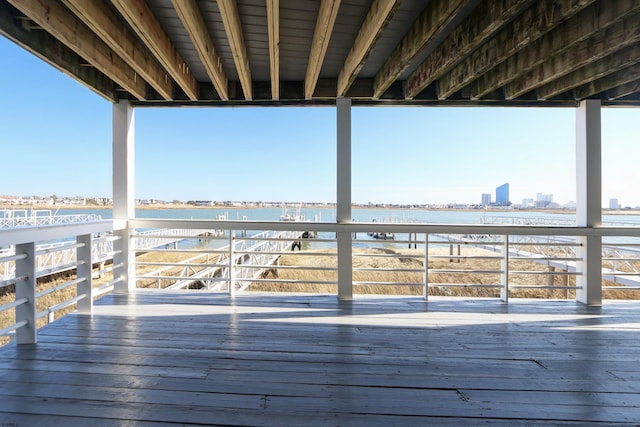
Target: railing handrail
[(363, 227)]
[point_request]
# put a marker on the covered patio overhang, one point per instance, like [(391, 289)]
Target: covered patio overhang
[(201, 358), (576, 54)]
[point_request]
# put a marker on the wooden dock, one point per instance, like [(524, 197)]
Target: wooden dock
[(204, 358)]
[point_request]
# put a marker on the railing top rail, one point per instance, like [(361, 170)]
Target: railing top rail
[(362, 227)]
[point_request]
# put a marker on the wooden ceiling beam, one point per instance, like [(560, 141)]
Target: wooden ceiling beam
[(603, 44), (626, 89), (593, 71), (52, 51), (104, 22), (377, 18), (431, 22), (273, 28), (532, 24), (193, 22), (141, 19), (321, 37), (64, 26), (485, 20), (565, 36), (233, 28), (621, 83)]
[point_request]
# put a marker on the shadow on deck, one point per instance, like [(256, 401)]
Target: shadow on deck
[(201, 358)]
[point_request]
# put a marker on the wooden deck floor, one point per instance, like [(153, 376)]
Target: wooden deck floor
[(196, 358)]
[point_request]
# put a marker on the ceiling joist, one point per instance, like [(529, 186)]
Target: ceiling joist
[(593, 71), (64, 26), (377, 18), (488, 18), (321, 37), (141, 19), (233, 28), (524, 29), (625, 89), (52, 51), (431, 22), (195, 26), (603, 44), (619, 84), (564, 37), (273, 28), (102, 21)]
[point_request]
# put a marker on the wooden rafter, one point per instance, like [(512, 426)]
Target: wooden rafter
[(273, 27), (64, 26), (564, 37), (233, 28), (593, 71), (379, 14), (431, 22), (141, 19), (193, 22), (537, 21), (321, 37), (619, 84), (603, 44), (52, 51), (488, 18), (102, 21), (626, 89)]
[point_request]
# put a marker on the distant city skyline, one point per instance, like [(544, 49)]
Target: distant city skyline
[(58, 138)]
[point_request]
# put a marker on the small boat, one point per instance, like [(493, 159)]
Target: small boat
[(287, 215)]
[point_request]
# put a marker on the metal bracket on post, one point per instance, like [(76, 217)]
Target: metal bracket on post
[(84, 271), (26, 267)]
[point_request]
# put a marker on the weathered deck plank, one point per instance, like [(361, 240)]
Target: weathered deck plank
[(195, 358)]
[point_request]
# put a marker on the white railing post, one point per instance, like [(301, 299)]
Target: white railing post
[(84, 271), (343, 205), (123, 192), (232, 270), (26, 289), (425, 291), (589, 200), (504, 266)]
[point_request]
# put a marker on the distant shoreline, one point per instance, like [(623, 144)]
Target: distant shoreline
[(186, 206)]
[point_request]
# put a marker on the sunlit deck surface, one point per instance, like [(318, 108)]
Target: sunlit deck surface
[(196, 358)]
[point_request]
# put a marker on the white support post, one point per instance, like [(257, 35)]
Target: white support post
[(84, 271), (123, 192), (26, 289), (425, 290), (232, 262), (343, 216), (589, 200), (504, 266)]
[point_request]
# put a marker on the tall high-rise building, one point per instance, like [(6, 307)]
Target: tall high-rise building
[(502, 195), (614, 204), (486, 199), (543, 200)]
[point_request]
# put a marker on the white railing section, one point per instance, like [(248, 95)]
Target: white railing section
[(12, 218), (239, 255), (27, 305)]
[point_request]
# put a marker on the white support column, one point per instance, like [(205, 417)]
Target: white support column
[(123, 191), (343, 216), (425, 288), (232, 263), (26, 289), (589, 199), (84, 270), (504, 266)]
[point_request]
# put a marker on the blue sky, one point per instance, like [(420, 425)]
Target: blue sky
[(56, 139)]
